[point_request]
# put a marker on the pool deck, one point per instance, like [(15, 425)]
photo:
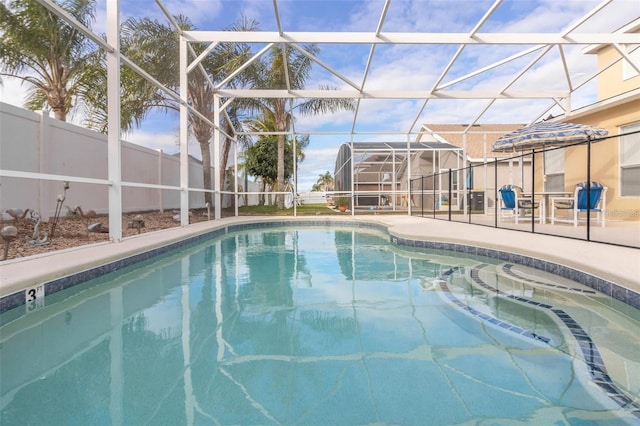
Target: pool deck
[(617, 264)]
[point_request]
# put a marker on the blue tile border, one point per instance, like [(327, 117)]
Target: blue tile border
[(609, 288), (18, 299), (444, 287), (508, 269), (590, 352)]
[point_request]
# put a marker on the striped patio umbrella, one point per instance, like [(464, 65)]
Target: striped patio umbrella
[(547, 134)]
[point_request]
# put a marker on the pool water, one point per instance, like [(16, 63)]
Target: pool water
[(321, 326)]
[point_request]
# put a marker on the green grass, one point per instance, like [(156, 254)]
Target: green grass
[(305, 209)]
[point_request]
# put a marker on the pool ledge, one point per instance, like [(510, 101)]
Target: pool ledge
[(596, 262)]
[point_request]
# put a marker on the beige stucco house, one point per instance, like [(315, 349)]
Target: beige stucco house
[(615, 161)]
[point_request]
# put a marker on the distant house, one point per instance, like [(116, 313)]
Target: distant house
[(476, 156), (382, 170), (615, 162), (379, 172)]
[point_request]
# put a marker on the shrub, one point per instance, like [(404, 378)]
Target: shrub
[(342, 201)]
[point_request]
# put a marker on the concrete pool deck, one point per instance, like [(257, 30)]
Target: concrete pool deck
[(620, 265)]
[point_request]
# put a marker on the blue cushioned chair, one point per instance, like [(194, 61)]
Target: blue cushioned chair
[(578, 204), (519, 207)]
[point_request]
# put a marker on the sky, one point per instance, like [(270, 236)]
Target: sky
[(399, 67)]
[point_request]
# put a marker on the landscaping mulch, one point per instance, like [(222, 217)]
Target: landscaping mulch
[(72, 231)]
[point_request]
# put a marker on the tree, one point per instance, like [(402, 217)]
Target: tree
[(41, 49), (235, 122), (154, 46), (324, 182), (261, 159), (273, 76)]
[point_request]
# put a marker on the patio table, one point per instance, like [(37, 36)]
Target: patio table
[(546, 195)]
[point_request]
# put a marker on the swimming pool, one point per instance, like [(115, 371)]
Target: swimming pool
[(321, 326)]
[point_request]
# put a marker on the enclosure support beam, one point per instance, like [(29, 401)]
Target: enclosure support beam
[(408, 190), (236, 197), (184, 137), (353, 183), (113, 127), (217, 199), (465, 193)]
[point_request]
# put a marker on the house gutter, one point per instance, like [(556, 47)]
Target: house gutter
[(631, 96)]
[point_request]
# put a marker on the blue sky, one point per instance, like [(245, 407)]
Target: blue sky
[(394, 67)]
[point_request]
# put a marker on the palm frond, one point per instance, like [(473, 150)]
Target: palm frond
[(43, 50)]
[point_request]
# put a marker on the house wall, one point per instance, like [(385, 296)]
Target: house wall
[(605, 160), (610, 82)]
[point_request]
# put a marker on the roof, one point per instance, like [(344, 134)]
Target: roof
[(631, 27), (603, 105), (478, 136), (402, 146)]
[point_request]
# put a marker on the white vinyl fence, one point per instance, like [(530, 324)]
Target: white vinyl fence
[(36, 143)]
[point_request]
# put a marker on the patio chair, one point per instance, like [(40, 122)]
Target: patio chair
[(519, 207), (578, 204)]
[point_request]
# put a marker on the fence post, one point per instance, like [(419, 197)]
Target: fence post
[(533, 189), (496, 203), (449, 191), (160, 181), (422, 196), (43, 140), (468, 200)]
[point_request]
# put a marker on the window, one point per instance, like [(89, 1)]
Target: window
[(630, 161), (627, 70), (554, 170)]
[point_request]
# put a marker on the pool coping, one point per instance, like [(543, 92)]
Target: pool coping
[(63, 269)]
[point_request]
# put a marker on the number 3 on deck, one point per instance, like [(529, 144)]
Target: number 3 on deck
[(34, 298)]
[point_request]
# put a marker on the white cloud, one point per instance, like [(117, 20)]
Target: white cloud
[(200, 12), (435, 16), (168, 142), (320, 158), (396, 67), (12, 91)]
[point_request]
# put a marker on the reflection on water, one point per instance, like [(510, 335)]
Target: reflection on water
[(313, 326)]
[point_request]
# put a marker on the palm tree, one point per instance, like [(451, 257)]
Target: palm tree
[(259, 158), (278, 111), (235, 122), (42, 50), (325, 182), (154, 46)]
